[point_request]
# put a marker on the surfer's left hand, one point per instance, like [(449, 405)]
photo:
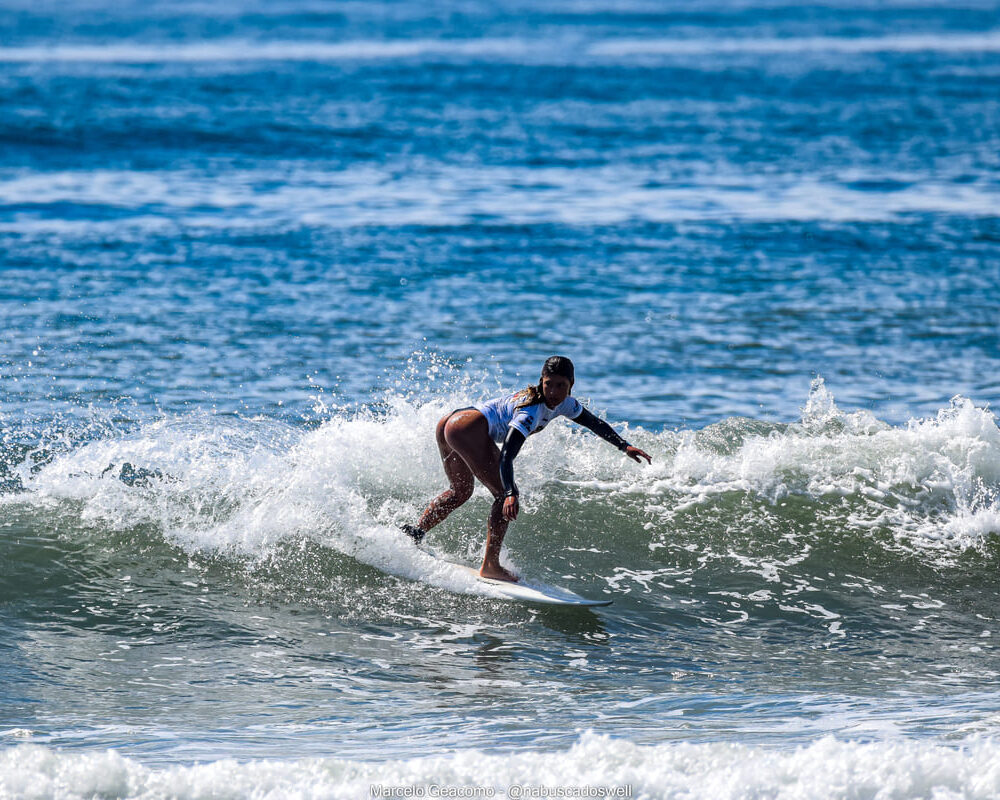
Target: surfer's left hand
[(637, 455)]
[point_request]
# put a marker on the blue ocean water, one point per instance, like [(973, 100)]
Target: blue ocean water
[(251, 252)]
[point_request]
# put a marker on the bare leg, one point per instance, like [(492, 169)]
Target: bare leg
[(467, 453), (496, 529), (467, 434), (460, 483)]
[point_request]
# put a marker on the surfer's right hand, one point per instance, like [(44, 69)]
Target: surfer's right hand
[(510, 508), (637, 455)]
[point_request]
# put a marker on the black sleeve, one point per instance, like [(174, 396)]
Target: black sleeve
[(601, 428), (511, 447)]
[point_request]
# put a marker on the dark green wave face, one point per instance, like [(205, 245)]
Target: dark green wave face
[(236, 568)]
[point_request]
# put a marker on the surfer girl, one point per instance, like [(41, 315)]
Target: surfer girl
[(468, 438)]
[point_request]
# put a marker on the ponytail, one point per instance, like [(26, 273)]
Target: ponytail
[(531, 396)]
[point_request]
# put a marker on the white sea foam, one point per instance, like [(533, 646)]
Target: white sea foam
[(456, 195), (986, 42), (497, 49), (243, 487), (932, 482), (246, 486), (826, 769), (229, 50)]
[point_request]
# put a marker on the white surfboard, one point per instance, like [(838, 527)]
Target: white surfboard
[(532, 592)]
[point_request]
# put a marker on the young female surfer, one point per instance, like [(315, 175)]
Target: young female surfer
[(466, 439)]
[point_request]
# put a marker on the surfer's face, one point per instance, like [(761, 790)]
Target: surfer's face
[(555, 389)]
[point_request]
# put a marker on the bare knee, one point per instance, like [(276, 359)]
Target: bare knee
[(462, 493), (455, 495), (442, 505)]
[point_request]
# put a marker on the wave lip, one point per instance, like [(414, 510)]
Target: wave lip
[(244, 486), (932, 482)]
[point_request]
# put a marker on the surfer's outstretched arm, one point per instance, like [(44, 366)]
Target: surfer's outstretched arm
[(511, 447), (607, 433)]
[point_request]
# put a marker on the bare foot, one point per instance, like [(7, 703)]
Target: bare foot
[(497, 573)]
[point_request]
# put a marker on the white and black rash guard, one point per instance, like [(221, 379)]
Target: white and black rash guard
[(502, 414), (512, 425)]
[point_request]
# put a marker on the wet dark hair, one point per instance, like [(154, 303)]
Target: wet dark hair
[(556, 365)]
